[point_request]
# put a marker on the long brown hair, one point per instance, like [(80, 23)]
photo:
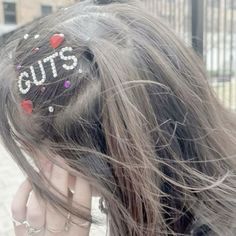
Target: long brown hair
[(140, 122)]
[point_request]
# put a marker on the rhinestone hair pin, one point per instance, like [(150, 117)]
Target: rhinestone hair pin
[(29, 77), (26, 79)]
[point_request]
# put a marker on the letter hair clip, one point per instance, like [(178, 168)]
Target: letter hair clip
[(36, 74), (29, 77)]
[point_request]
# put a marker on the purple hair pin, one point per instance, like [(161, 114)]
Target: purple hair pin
[(67, 84)]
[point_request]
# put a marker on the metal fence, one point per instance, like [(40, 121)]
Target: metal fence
[(210, 27)]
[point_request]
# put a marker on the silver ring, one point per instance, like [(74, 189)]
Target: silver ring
[(68, 223), (31, 230), (16, 222), (54, 231), (66, 226), (84, 225)]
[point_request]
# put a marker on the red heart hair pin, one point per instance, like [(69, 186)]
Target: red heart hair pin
[(27, 106), (56, 40)]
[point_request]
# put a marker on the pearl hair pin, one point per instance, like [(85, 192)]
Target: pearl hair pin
[(26, 36), (51, 109), (43, 89), (18, 67), (35, 49)]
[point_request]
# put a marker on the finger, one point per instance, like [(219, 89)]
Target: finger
[(54, 219), (46, 169), (36, 210), (71, 183), (42, 162), (18, 207), (82, 197), (36, 206)]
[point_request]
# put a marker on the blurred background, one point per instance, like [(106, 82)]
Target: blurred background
[(209, 26)]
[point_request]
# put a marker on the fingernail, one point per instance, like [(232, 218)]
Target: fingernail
[(29, 198)]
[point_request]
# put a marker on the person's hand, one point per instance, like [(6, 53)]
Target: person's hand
[(32, 216)]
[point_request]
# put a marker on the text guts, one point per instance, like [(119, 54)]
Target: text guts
[(27, 78)]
